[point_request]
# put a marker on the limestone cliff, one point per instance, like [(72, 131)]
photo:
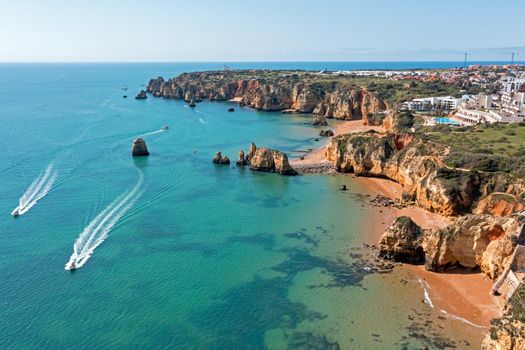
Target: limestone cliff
[(471, 241), (418, 166), (273, 91)]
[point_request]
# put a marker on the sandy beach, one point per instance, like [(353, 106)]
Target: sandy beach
[(458, 293), (317, 156)]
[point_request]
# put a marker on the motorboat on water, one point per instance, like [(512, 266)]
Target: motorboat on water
[(165, 127), (16, 212), (72, 266), (124, 87)]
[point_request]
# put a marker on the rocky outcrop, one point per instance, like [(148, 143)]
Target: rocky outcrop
[(400, 242), (320, 120), (419, 167), (251, 152), (219, 159), (300, 92), (508, 331), (141, 95), (271, 161), (139, 148), (241, 160), (326, 133), (500, 204), (471, 241)]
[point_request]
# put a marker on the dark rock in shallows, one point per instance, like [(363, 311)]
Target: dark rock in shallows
[(231, 109), (139, 148), (141, 95), (343, 187), (326, 133), (125, 96)]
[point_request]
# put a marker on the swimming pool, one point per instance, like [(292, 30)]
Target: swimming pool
[(446, 121)]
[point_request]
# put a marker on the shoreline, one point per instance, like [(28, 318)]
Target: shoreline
[(460, 294), (314, 162)]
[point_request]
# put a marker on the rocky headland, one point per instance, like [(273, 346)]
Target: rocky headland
[(297, 91)]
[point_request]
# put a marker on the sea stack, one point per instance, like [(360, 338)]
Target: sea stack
[(139, 148), (320, 120), (141, 95), (241, 160), (219, 159)]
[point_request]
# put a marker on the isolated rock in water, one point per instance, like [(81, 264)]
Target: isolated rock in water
[(271, 161), (241, 160), (326, 133), (320, 120), (251, 152), (141, 95), (400, 242), (219, 159), (231, 109), (139, 148)]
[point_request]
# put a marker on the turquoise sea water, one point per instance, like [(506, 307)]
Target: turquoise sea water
[(197, 256)]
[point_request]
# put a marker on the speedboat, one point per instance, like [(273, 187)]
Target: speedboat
[(72, 266), (165, 127), (16, 212)]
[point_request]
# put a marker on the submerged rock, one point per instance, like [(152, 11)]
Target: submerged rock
[(231, 109), (139, 148), (219, 159), (400, 242), (141, 95), (271, 161)]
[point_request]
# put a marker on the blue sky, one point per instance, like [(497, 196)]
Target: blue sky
[(269, 30)]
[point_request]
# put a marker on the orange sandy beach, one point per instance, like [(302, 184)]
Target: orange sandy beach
[(461, 293)]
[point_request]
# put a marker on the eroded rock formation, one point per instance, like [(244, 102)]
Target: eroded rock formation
[(400, 242), (471, 241), (219, 159), (273, 91), (270, 160), (419, 167), (139, 148)]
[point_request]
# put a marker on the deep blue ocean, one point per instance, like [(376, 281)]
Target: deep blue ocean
[(178, 252)]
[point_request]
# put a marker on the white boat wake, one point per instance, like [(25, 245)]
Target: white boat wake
[(98, 229), (38, 189), (154, 132)]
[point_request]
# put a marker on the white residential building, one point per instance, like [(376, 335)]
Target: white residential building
[(513, 84), (428, 103)]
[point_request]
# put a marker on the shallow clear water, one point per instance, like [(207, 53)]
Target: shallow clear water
[(204, 256)]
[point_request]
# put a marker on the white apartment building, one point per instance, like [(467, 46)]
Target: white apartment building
[(428, 103), (513, 84)]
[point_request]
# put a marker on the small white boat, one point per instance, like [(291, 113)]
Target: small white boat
[(16, 212), (124, 87), (72, 266), (165, 127)]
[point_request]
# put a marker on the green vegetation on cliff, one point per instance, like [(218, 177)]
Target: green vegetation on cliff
[(486, 148)]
